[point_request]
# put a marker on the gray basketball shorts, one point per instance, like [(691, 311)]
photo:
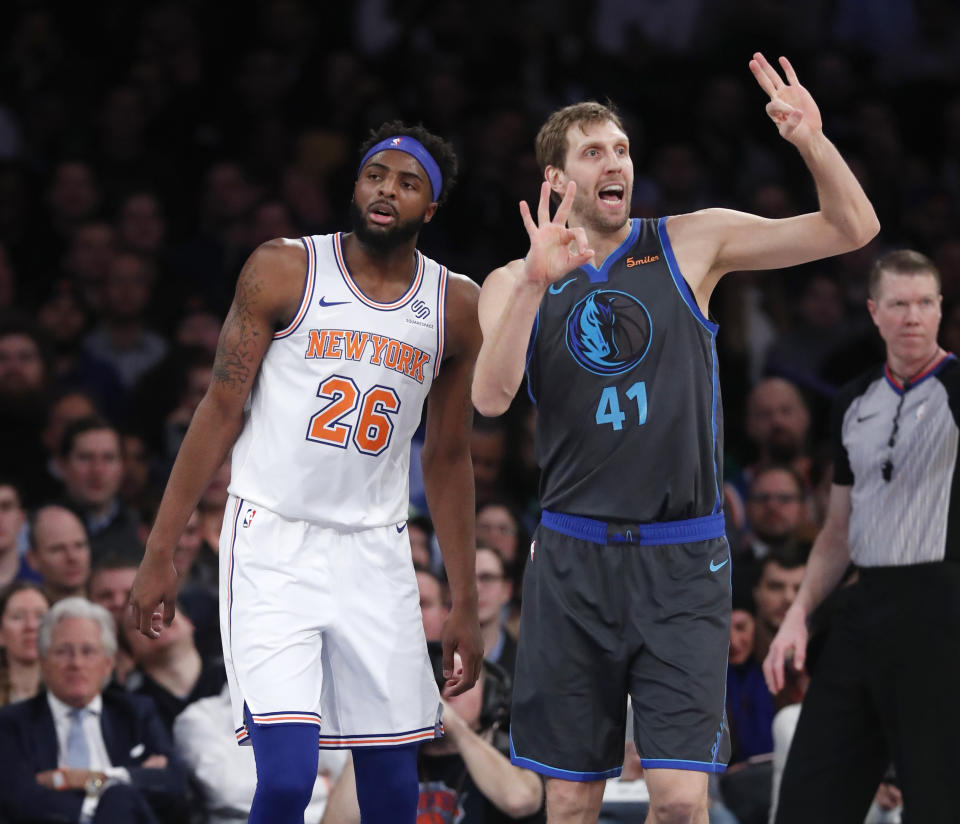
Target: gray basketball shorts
[(602, 621)]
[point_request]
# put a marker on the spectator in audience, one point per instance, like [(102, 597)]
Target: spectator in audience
[(778, 423), (500, 527), (24, 385), (59, 552), (170, 670), (420, 530), (227, 774), (13, 564), (135, 481), (777, 514), (494, 591), (488, 447), (781, 574), (123, 340), (749, 703), (22, 607), (64, 409), (110, 583), (90, 252), (466, 776), (91, 461), (433, 602), (77, 753)]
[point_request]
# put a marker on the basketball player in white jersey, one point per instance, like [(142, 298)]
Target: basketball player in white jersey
[(329, 350)]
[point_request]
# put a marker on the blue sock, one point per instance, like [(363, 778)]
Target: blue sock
[(387, 785), (287, 756)]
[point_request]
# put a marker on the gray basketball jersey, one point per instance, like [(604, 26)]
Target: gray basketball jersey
[(622, 366)]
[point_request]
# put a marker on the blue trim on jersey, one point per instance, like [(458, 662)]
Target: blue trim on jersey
[(380, 734), (654, 534), (682, 286), (530, 345), (603, 273), (233, 566), (715, 370), (309, 284), (556, 772), (681, 764), (936, 369)]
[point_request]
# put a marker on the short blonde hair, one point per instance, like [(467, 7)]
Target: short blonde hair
[(551, 144)]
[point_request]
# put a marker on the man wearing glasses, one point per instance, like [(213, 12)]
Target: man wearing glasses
[(886, 682)]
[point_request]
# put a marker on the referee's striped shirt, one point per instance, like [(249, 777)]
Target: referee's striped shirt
[(914, 517)]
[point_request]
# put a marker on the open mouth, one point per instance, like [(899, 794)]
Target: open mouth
[(612, 194), (382, 213)]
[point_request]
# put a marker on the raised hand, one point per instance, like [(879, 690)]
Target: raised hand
[(791, 106), (555, 249)]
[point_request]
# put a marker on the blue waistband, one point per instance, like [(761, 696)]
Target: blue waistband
[(621, 532)]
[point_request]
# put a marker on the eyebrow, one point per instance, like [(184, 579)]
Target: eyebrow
[(400, 172)]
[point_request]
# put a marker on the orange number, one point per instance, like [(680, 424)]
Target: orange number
[(326, 426), (374, 428)]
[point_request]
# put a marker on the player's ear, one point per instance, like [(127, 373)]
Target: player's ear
[(557, 179), (431, 211)]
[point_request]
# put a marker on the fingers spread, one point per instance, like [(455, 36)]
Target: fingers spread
[(773, 79), (762, 79)]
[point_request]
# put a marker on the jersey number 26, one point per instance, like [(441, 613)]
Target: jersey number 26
[(374, 426)]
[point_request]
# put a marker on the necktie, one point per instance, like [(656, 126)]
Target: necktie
[(78, 750)]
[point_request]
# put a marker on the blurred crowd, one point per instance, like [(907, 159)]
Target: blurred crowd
[(146, 148)]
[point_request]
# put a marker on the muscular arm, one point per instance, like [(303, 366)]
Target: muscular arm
[(508, 307), (829, 558), (513, 790), (448, 479), (710, 243), (267, 293), (511, 296)]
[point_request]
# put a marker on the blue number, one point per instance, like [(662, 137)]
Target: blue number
[(608, 410), (638, 392)]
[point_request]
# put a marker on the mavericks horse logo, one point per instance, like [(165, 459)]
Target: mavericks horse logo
[(608, 332)]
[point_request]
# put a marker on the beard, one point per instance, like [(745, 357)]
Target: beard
[(382, 241), (783, 448), (597, 220)]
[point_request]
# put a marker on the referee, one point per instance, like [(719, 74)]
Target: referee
[(887, 686)]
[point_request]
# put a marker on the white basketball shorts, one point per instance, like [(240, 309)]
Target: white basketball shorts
[(323, 627)]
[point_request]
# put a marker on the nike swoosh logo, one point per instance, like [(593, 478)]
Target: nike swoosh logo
[(867, 417), (402, 527), (325, 302), (714, 567), (557, 288)]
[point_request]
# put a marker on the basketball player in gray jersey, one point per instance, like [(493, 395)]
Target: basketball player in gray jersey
[(627, 589)]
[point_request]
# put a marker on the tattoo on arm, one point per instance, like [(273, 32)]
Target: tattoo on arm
[(237, 349)]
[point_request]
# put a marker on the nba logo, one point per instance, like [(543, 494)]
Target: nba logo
[(248, 518)]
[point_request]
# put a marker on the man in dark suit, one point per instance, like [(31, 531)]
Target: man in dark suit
[(77, 753)]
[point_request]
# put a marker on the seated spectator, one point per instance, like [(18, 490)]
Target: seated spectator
[(170, 670), (777, 514), (780, 577), (22, 607), (465, 776), (123, 339), (433, 603), (65, 408), (494, 591), (420, 531), (226, 774), (110, 584), (749, 703), (198, 571), (500, 526), (77, 753), (91, 461), (13, 565), (59, 552)]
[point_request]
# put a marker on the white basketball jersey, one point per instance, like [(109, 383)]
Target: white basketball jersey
[(339, 395)]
